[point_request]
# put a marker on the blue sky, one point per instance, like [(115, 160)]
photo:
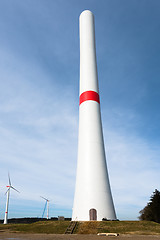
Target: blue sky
[(39, 88)]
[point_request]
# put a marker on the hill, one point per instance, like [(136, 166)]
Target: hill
[(59, 227)]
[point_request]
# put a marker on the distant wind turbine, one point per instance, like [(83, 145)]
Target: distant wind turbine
[(46, 205), (7, 202)]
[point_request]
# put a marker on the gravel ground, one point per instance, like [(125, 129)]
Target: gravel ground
[(19, 236)]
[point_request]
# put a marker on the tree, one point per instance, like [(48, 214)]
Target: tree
[(152, 211)]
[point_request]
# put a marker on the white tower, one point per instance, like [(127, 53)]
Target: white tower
[(7, 202), (46, 204), (93, 198)]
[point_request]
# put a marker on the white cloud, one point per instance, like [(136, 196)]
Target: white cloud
[(38, 138), (133, 167)]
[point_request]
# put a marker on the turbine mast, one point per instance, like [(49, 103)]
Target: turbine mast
[(93, 198), (47, 209), (46, 204), (7, 204)]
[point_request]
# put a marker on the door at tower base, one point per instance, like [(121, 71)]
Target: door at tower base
[(92, 214)]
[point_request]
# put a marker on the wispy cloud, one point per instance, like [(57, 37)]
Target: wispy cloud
[(133, 166), (39, 73)]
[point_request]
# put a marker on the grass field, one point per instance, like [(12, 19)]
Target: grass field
[(56, 227), (59, 227), (122, 227)]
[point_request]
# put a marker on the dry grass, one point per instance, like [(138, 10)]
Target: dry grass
[(122, 227), (87, 228), (56, 227), (93, 227)]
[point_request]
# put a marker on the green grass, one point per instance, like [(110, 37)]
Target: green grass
[(56, 227), (93, 227), (122, 227)]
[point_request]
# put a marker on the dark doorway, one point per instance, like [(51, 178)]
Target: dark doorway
[(93, 214)]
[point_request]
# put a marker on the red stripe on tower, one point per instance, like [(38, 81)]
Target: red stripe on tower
[(89, 95)]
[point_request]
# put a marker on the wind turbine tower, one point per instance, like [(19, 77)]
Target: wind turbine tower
[(7, 202), (93, 198), (46, 204)]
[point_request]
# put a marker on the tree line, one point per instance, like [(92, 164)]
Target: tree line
[(151, 212)]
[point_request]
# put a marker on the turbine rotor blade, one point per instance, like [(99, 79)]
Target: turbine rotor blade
[(14, 189), (44, 209), (7, 190), (9, 179), (44, 198)]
